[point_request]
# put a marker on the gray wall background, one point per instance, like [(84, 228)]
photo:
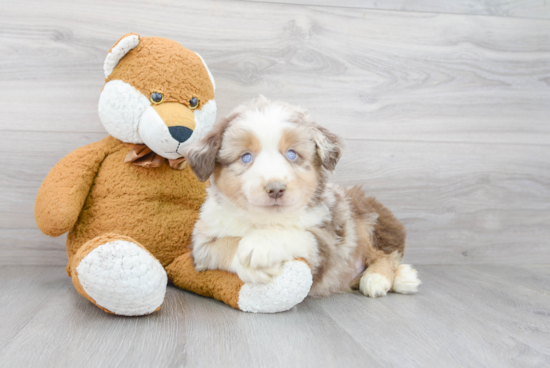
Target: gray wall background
[(445, 106)]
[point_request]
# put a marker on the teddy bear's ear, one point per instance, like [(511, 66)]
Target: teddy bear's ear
[(117, 52), (208, 70)]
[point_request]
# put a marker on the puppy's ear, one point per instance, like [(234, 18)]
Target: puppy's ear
[(201, 156), (329, 146)]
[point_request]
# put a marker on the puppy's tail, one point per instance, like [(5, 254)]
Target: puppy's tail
[(406, 280)]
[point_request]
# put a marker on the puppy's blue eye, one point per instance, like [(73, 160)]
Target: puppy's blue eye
[(246, 158), (291, 155)]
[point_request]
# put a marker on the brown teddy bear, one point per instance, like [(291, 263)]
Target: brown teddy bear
[(129, 201)]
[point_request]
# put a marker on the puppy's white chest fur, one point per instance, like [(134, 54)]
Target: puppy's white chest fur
[(226, 219), (266, 240)]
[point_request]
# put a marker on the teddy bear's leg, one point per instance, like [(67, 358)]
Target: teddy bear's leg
[(281, 294), (119, 275)]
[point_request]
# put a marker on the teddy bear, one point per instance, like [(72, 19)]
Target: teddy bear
[(129, 202)]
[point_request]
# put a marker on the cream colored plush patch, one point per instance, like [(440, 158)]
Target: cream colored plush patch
[(123, 278), (283, 293), (117, 52)]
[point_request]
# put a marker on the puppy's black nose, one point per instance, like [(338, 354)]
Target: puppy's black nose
[(180, 133), (275, 189)]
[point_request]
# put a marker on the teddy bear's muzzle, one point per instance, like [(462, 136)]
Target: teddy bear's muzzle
[(166, 127), (178, 116)]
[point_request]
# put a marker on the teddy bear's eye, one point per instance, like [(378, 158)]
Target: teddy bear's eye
[(157, 97), (193, 103)]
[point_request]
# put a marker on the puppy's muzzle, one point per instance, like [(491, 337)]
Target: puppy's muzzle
[(275, 189)]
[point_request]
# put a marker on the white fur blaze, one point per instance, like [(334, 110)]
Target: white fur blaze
[(406, 280), (118, 51), (374, 285), (279, 295), (123, 278)]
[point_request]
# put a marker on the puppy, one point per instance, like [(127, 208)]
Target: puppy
[(269, 202)]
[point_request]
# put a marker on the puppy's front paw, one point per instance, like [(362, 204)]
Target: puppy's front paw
[(374, 284), (256, 275), (260, 252)]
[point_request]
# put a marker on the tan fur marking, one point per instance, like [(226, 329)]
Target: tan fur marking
[(237, 141), (385, 265), (299, 139), (229, 184), (388, 233), (381, 243)]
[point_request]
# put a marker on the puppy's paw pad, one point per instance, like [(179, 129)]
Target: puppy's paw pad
[(406, 280), (374, 285)]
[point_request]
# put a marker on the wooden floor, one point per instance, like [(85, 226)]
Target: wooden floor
[(464, 316)]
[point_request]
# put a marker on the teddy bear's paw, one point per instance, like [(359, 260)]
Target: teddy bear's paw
[(123, 278), (282, 293)]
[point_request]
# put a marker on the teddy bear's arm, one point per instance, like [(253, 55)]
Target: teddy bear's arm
[(63, 192)]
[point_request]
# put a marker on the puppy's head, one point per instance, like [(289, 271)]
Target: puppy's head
[(267, 155)]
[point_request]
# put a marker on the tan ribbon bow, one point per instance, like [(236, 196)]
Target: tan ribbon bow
[(141, 155)]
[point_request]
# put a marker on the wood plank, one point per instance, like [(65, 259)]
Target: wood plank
[(499, 8), (458, 309), (23, 292), (461, 202), (374, 75), (31, 247), (462, 316)]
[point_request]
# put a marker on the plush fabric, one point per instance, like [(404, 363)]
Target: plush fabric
[(110, 256), (220, 285), (162, 71), (156, 207)]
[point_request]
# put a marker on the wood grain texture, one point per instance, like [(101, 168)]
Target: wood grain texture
[(402, 75), (445, 116), (499, 8), (477, 316)]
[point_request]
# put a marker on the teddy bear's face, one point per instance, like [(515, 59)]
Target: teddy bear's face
[(157, 93)]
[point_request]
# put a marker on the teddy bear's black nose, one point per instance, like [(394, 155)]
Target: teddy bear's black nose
[(180, 133)]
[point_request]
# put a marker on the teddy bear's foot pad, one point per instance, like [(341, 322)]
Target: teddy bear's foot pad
[(123, 278), (284, 292)]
